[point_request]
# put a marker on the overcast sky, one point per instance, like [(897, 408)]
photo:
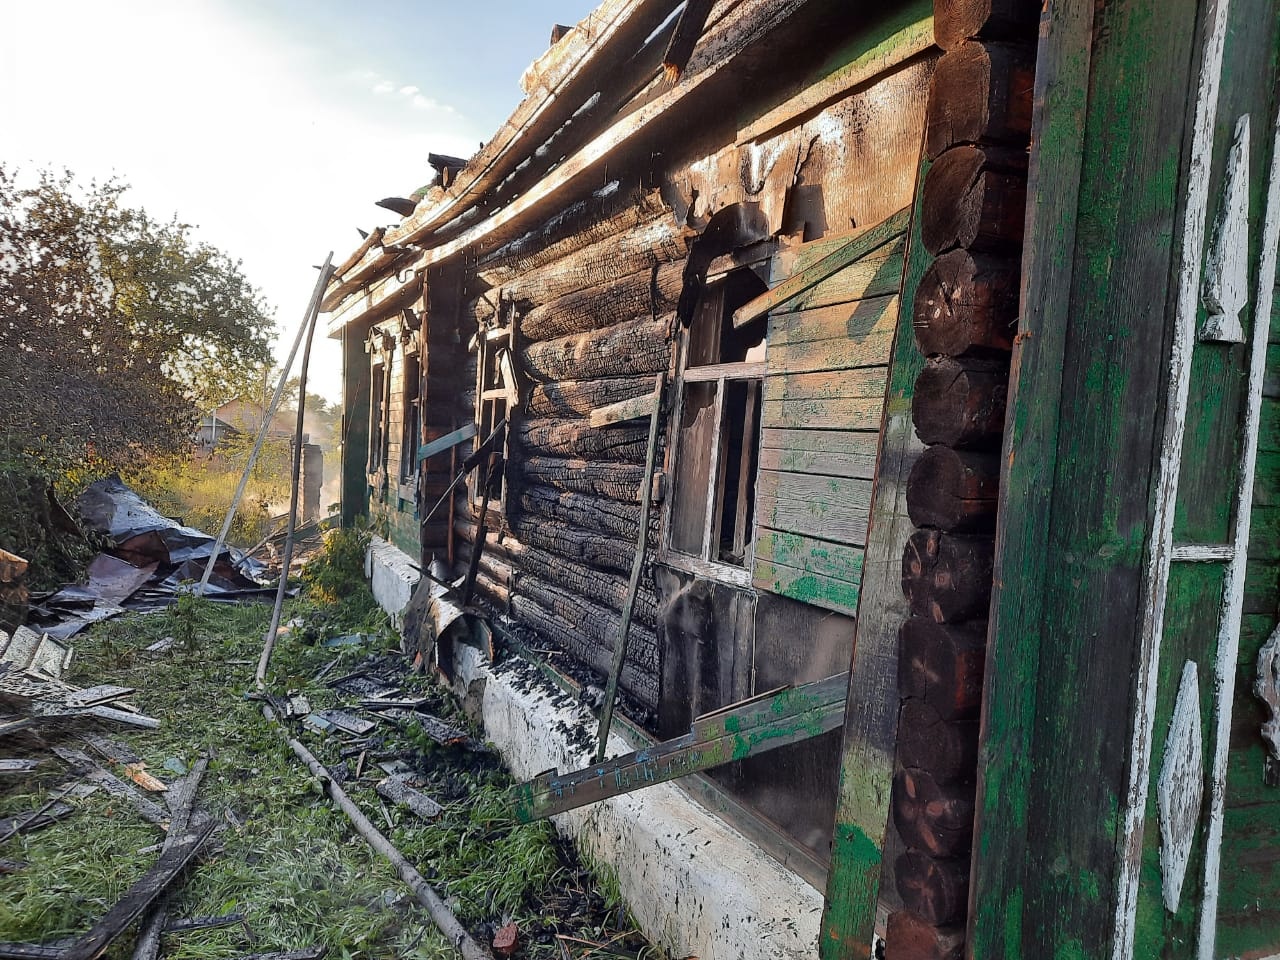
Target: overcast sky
[(272, 125)]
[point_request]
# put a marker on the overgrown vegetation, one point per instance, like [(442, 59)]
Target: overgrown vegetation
[(287, 858)]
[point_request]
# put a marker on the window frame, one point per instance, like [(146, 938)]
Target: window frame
[(410, 416), (379, 409), (491, 343), (720, 374)]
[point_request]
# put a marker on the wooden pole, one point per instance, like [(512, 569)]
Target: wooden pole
[(308, 322), (295, 477), (439, 911), (637, 565)]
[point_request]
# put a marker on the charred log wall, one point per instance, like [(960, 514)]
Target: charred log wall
[(593, 324), (965, 313)]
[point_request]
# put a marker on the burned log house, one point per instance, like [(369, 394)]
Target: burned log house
[(796, 238)]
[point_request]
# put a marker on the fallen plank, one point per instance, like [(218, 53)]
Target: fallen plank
[(8, 867), (122, 716), (112, 750), (742, 730), (81, 762), (138, 897), (310, 953), (203, 923), (29, 951), (18, 766), (38, 819), (399, 790), (98, 695), (442, 733), (345, 722)]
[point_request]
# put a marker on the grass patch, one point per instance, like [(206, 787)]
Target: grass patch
[(287, 858)]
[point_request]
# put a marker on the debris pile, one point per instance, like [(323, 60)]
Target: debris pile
[(149, 557)]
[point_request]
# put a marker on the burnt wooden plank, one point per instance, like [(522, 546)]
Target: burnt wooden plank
[(140, 895), (733, 733), (876, 275), (833, 508)]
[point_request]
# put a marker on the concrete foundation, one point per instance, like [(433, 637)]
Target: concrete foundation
[(392, 574), (695, 885)]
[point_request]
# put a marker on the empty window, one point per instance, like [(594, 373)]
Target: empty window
[(718, 431), (378, 383), (496, 394), (411, 425)]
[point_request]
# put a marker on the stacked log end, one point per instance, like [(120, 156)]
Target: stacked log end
[(593, 325), (965, 319)]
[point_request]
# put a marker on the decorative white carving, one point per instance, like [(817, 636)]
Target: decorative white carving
[(1226, 277), (1267, 689), (1181, 786)]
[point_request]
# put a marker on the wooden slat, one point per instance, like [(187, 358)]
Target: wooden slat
[(869, 351), (821, 462), (846, 322), (841, 414), (764, 723), (837, 260), (834, 508), (807, 587), (836, 561), (871, 720), (877, 275), (867, 382)]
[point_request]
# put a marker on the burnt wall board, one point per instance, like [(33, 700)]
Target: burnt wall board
[(826, 370)]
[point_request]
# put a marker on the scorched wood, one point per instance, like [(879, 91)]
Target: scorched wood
[(947, 577), (916, 939), (942, 664), (931, 817), (947, 751), (954, 490), (635, 347), (961, 403), (967, 301), (974, 198), (955, 21), (576, 438), (981, 93), (935, 890), (577, 398)]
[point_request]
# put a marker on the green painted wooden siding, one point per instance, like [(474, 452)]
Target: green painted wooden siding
[(824, 392)]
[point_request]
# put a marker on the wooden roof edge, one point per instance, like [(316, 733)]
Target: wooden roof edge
[(375, 264), (741, 28), (614, 24), (375, 301)]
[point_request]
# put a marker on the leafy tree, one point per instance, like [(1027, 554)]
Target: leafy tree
[(116, 330)]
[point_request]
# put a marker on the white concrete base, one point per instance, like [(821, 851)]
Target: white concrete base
[(695, 886), (392, 575)]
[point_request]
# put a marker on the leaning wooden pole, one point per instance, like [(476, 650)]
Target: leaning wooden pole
[(637, 565), (295, 482), (436, 907), (308, 321)]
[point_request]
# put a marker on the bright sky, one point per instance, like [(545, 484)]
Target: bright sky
[(272, 125)]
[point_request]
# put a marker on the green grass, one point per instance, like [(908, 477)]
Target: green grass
[(293, 864)]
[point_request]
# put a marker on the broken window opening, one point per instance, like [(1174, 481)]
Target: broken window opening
[(717, 455), (496, 396), (411, 426), (378, 383)]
